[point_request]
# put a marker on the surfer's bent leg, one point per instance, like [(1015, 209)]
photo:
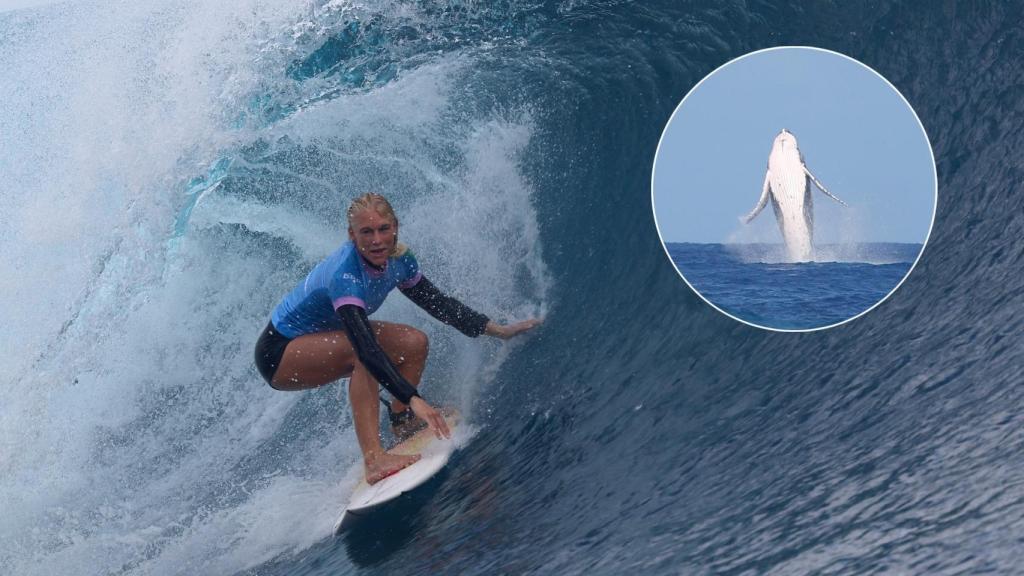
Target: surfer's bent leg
[(362, 393), (311, 360), (407, 348)]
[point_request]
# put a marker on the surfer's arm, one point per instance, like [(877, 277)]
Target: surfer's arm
[(446, 309), (822, 188), (369, 352), (761, 202)]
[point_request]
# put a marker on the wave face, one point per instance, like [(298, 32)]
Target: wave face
[(177, 169)]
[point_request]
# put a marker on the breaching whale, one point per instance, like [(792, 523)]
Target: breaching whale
[(787, 184)]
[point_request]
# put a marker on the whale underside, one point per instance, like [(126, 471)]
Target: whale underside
[(787, 185)]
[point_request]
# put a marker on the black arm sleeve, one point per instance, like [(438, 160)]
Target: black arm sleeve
[(446, 309), (360, 334)]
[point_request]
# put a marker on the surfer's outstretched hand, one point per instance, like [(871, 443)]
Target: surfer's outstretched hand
[(506, 331), (433, 418)]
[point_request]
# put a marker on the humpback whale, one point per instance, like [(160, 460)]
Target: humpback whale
[(787, 184)]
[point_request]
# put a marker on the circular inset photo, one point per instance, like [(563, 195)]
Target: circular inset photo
[(794, 188)]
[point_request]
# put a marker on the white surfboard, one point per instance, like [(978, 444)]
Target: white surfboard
[(434, 454)]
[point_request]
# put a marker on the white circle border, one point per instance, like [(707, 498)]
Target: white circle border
[(924, 245)]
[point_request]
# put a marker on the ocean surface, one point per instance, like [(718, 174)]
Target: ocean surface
[(756, 284), (169, 170)]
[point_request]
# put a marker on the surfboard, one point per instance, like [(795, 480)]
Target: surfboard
[(434, 454)]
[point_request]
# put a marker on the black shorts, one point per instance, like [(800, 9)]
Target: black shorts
[(269, 351)]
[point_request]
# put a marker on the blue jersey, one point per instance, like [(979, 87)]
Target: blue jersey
[(342, 278)]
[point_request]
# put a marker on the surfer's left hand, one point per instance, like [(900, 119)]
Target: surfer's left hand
[(505, 332), (430, 415)]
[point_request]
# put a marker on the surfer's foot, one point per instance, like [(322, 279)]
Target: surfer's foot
[(386, 465), (404, 424)]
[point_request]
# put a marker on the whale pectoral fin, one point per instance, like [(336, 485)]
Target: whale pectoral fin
[(822, 188), (760, 203)]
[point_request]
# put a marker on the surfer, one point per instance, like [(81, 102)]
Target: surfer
[(320, 332)]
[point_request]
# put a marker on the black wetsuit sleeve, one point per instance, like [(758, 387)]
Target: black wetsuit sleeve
[(446, 309), (369, 352)]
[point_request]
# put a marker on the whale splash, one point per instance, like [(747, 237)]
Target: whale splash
[(787, 184)]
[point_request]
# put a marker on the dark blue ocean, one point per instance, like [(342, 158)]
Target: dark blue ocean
[(170, 170), (754, 283)]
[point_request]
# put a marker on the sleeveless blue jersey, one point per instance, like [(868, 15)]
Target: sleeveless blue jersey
[(342, 278)]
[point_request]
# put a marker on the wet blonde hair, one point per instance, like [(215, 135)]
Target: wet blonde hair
[(382, 207)]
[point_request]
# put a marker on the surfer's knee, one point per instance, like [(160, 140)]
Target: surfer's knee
[(410, 344), (415, 342), (404, 343)]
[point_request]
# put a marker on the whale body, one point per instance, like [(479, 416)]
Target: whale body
[(787, 185)]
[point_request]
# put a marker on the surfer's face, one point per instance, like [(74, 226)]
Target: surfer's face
[(374, 235)]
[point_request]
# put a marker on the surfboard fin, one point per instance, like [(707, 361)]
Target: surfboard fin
[(761, 203), (821, 187)]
